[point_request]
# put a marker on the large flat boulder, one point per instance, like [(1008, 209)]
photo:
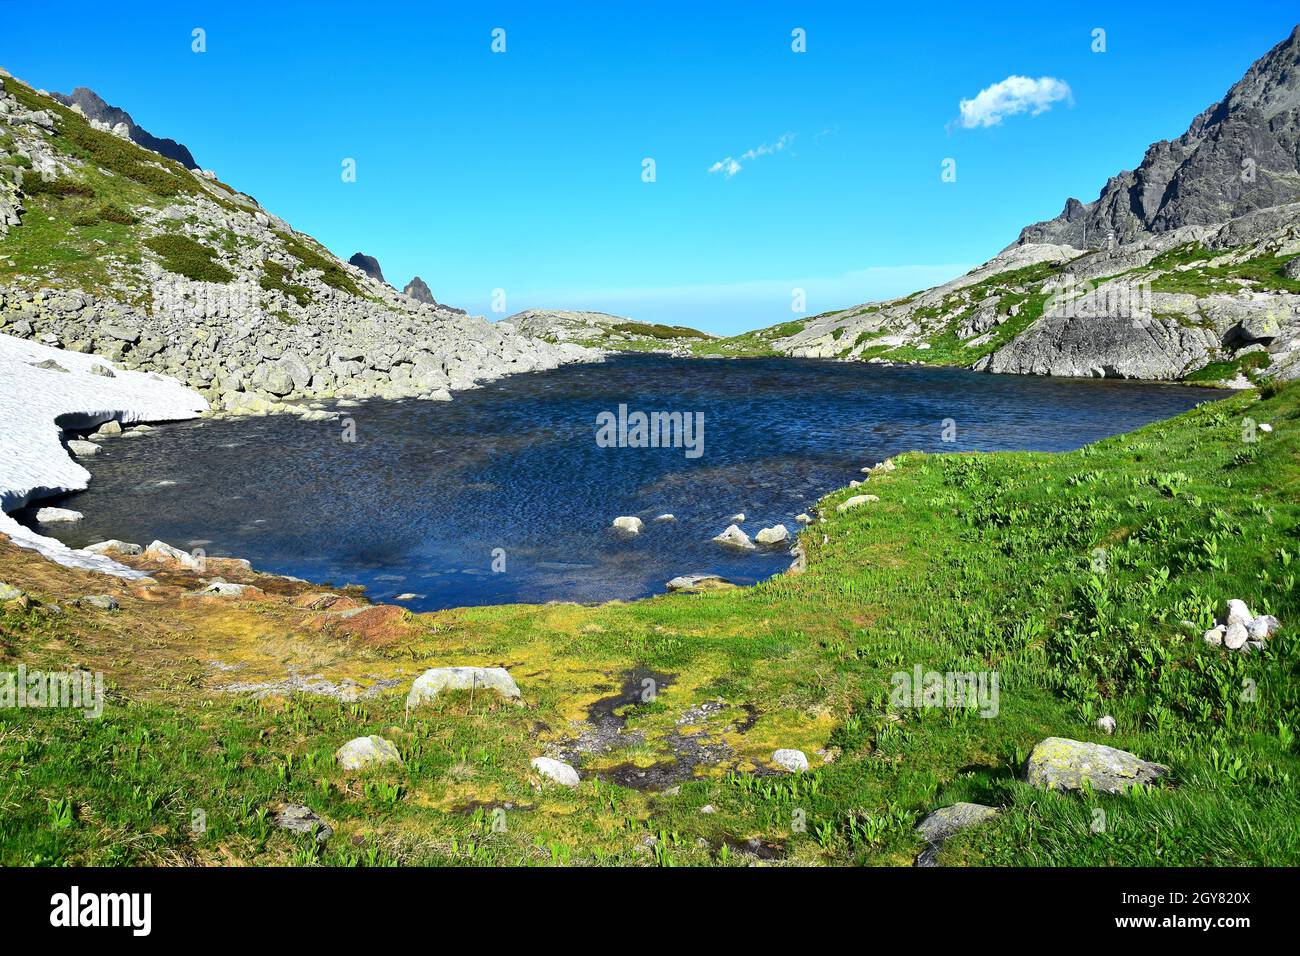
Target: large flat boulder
[(1059, 763)]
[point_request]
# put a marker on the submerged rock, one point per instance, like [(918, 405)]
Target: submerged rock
[(437, 679), (362, 752), (1059, 763)]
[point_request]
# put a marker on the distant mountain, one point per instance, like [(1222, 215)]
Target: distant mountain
[(96, 110), (417, 290), (1187, 267), (369, 265), (1240, 155), (605, 331)]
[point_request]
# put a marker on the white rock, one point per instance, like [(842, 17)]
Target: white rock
[(83, 449), (362, 752), (628, 524), (557, 771), (1263, 627), (114, 546), (164, 552), (1214, 635), (773, 536), (733, 537), (855, 502), (435, 680), (792, 760), (56, 515), (1265, 427), (219, 588), (1237, 611), (666, 517), (1235, 636), (1106, 724), (738, 518), (803, 518)]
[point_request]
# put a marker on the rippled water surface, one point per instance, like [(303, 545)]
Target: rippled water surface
[(429, 489)]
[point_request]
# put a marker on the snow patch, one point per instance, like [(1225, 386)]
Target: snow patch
[(36, 404)]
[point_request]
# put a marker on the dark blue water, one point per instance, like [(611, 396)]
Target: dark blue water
[(429, 489)]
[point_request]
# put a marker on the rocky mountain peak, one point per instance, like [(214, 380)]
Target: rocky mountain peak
[(419, 291), (93, 107), (369, 265), (1239, 155)]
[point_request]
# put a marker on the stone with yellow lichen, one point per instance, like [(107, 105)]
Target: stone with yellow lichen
[(1059, 763)]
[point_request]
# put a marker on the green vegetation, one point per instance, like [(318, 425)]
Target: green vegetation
[(750, 344), (332, 274), (190, 258), (276, 277), (1246, 364), (1071, 575), (658, 331)]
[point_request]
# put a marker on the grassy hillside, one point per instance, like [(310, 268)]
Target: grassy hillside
[(1070, 575), (89, 229)]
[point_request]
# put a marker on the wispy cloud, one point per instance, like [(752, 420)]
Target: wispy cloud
[(730, 166), (1015, 94)]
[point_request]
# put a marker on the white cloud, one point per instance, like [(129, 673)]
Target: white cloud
[(730, 166), (1015, 94)]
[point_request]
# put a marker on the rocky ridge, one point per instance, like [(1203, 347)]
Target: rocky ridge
[(1187, 266), (119, 122), (606, 331)]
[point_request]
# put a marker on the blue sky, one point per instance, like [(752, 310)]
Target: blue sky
[(522, 170)]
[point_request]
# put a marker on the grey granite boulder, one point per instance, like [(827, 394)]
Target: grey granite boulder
[(699, 582), (946, 821), (363, 752), (556, 771), (791, 761), (735, 539), (1059, 763), (301, 819), (434, 681)]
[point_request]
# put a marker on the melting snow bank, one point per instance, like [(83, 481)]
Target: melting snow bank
[(45, 390)]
